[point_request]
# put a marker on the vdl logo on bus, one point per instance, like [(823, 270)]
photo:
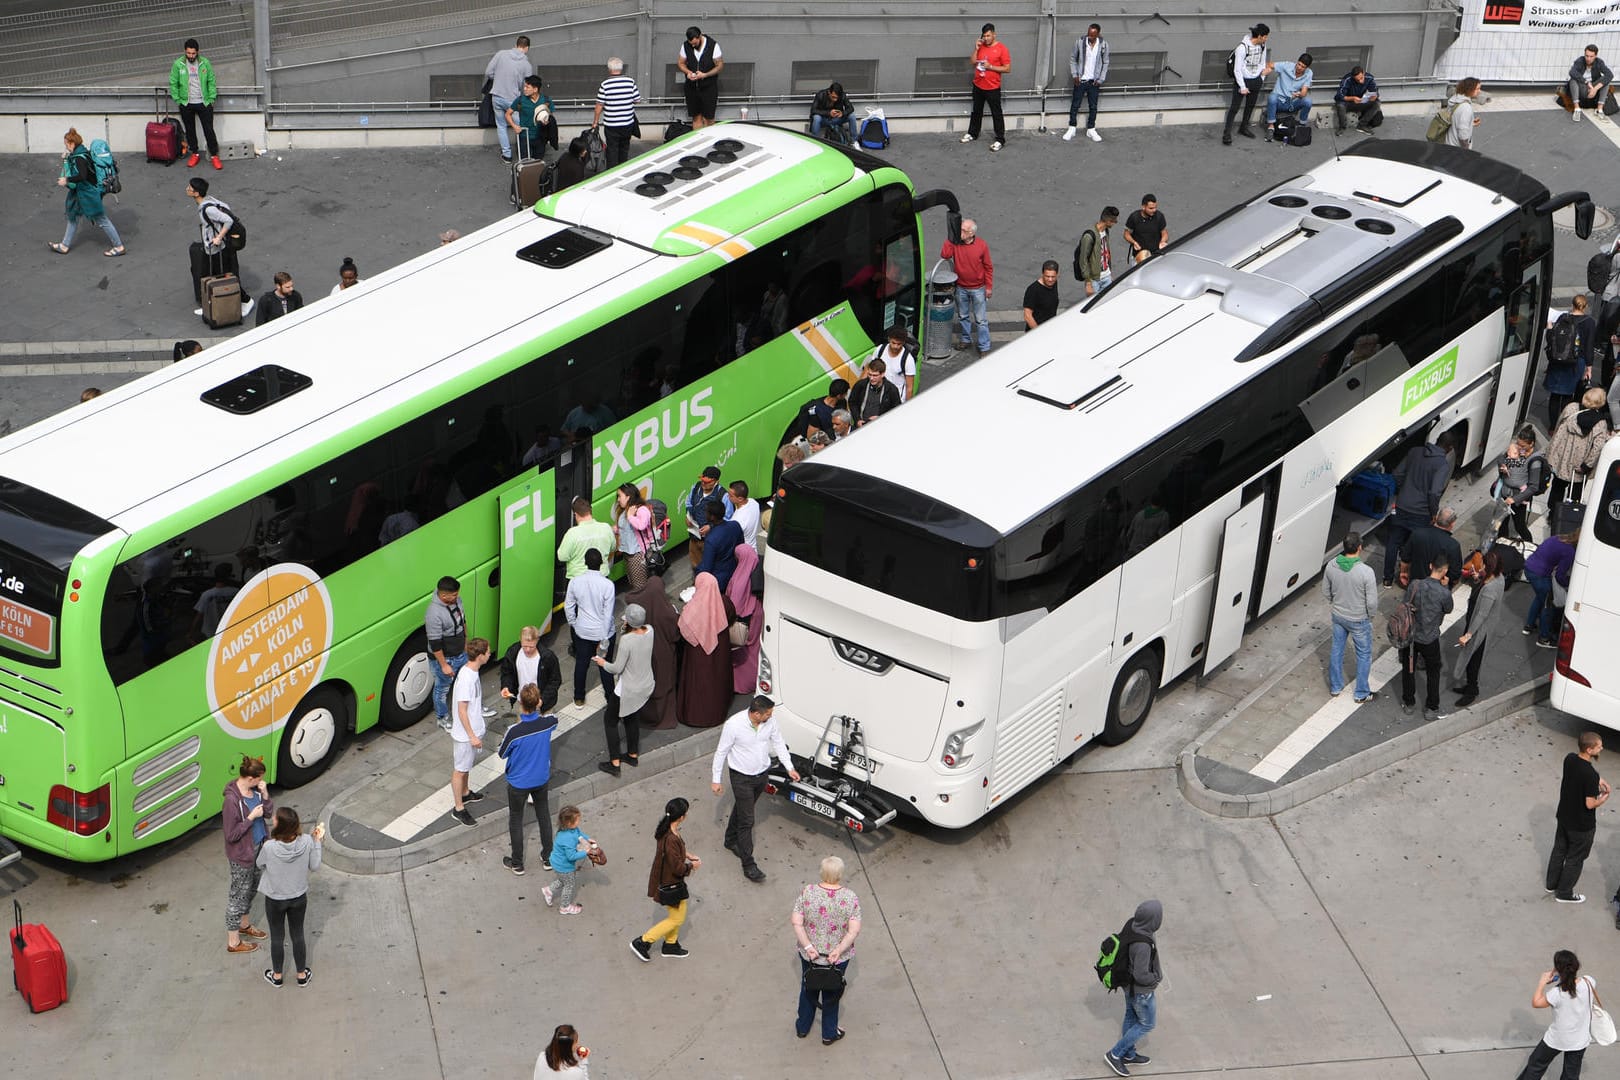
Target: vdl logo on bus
[(1423, 383), (861, 657)]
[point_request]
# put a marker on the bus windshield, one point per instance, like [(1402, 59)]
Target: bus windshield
[(929, 555), (39, 536)]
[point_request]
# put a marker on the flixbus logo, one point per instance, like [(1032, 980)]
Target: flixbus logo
[(1428, 379), (665, 430)]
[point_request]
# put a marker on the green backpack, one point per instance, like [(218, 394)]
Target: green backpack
[(1440, 123), (1112, 967)]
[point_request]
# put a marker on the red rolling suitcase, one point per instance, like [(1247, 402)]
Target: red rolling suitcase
[(163, 141), (40, 966)]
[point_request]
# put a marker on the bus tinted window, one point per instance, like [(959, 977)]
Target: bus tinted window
[(39, 536), (1605, 526)]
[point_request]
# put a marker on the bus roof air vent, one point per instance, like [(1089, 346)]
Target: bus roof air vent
[(253, 390), (565, 248)]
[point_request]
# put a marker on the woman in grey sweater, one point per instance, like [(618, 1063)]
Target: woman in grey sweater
[(286, 860), (1483, 604), (632, 671)]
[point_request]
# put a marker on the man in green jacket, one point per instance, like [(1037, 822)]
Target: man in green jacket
[(191, 85)]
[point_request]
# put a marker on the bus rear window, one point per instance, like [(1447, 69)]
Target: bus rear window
[(1605, 523), (39, 536), (879, 553)]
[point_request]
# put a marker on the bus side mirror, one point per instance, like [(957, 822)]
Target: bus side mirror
[(1585, 213)]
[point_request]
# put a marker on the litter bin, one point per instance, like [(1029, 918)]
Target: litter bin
[(941, 310)]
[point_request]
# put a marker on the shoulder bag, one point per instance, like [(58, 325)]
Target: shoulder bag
[(737, 633), (1603, 1032), (671, 895)]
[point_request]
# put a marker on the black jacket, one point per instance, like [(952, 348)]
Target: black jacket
[(270, 306), (1601, 75), (1424, 544), (826, 101), (549, 676), (889, 398)]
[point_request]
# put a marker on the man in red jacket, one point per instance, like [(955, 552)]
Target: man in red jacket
[(975, 280)]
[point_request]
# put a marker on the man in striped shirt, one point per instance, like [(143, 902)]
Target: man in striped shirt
[(616, 102)]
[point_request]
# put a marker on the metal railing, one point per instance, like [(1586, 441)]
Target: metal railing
[(66, 44)]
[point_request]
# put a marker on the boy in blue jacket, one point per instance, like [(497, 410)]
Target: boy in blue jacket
[(526, 749)]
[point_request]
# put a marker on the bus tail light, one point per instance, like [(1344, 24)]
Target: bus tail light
[(764, 673), (83, 812), (1566, 649), (953, 757)]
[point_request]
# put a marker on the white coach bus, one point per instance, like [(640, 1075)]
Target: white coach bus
[(975, 586), (1583, 682)]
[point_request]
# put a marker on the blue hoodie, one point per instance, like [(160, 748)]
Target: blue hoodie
[(526, 749)]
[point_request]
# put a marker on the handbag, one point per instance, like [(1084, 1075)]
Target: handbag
[(826, 978), (1603, 1032), (673, 894), (656, 561), (737, 634)]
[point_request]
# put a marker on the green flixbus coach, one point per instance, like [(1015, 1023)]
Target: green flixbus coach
[(233, 555)]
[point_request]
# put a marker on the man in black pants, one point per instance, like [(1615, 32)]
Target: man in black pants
[(746, 744), (1431, 602), (1251, 63), (1579, 796)]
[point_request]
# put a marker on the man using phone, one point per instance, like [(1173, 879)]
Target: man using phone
[(990, 62)]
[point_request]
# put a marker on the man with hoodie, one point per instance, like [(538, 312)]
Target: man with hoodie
[(1142, 979), (1349, 585), (1420, 481), (526, 749), (1431, 602)]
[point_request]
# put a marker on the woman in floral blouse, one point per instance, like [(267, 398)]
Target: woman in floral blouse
[(826, 920)]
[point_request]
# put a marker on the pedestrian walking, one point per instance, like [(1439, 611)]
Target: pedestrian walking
[(666, 884), (616, 101), (526, 662), (467, 729), (1431, 603), (1094, 254), (1351, 588), (1463, 118), (247, 801), (212, 254), (505, 73), (1088, 70), (1143, 976), (975, 283), (745, 657), (446, 626), (1484, 603), (633, 519), (78, 176), (990, 61), (826, 921), (1569, 994), (564, 1057), (588, 607), (348, 277), (1041, 296), (571, 848), (632, 671), (1521, 475), (285, 862), (281, 300), (1579, 796), (526, 749), (700, 61), (705, 682), (1248, 65), (663, 709), (746, 744), (193, 89)]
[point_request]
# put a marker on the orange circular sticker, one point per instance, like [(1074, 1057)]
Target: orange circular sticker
[(270, 649)]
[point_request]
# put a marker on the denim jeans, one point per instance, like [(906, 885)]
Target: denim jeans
[(1284, 103), (1539, 617), (442, 684), (829, 1000), (1141, 1013), (1359, 631), (973, 309), (106, 226), (1087, 92), (503, 131)]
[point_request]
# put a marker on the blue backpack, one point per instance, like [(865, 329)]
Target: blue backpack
[(875, 133), (101, 156)]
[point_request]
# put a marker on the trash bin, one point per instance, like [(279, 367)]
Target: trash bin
[(941, 310)]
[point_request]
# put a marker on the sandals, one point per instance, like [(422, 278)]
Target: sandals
[(245, 946), (113, 253), (254, 932), (60, 249)]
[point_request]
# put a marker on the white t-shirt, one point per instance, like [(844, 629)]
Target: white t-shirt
[(896, 368), (468, 689), (680, 52), (748, 518), (1571, 1028), (528, 668)]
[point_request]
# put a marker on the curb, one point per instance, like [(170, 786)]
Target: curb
[(493, 826), (1354, 767)]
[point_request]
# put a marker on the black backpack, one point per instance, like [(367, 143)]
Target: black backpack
[(1079, 262), (1599, 268), (1561, 341), (1540, 474), (1113, 966)]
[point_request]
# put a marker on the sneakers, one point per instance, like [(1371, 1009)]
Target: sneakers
[(1068, 136), (1373, 696), (642, 949), (1578, 898), (608, 767), (675, 949), (1465, 700), (1091, 133), (995, 146), (1431, 715), (512, 865), (489, 713), (444, 723), (215, 162), (247, 307), (571, 909), (967, 138), (270, 977), (1546, 643), (545, 891), (1137, 1059), (579, 703), (472, 796), (1116, 1063), (545, 864), (1575, 117), (464, 817), (1407, 707), (1226, 138), (1527, 630), (1271, 133), (754, 874), (1247, 132), (303, 979), (191, 162)]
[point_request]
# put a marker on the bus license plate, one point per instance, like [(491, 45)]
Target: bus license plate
[(815, 805), (859, 760)]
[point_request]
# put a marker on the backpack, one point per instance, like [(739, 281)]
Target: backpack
[(1300, 136), (1113, 966), (1561, 341), (1439, 124), (1599, 268), (1540, 474), (1402, 621), (106, 167), (1079, 251), (1231, 60), (874, 132), (660, 520), (235, 232)]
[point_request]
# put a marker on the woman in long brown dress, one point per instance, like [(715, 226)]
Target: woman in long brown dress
[(705, 690), (666, 634)]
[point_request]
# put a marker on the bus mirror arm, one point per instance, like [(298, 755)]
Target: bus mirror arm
[(1585, 211), (953, 210)]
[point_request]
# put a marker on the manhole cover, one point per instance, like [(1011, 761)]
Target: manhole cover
[(1564, 219)]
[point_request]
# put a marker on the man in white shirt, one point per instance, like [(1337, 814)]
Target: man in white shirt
[(467, 728), (1088, 70), (745, 511), (588, 607), (1250, 63), (900, 362), (746, 743)]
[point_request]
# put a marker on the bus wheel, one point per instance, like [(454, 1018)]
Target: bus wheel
[(408, 686), (1132, 699), (312, 737)]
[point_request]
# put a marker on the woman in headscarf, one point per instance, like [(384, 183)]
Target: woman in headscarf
[(745, 657), (666, 627), (705, 691)]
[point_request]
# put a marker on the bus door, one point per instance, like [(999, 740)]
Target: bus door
[(1235, 574), (1514, 385), (528, 524)]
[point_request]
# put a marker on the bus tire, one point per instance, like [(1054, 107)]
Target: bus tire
[(407, 690), (1132, 699), (313, 736)]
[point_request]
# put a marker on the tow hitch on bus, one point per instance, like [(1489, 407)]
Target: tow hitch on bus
[(837, 796)]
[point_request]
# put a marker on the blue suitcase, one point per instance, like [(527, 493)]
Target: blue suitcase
[(1370, 492)]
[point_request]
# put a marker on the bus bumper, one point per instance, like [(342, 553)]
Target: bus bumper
[(859, 811)]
